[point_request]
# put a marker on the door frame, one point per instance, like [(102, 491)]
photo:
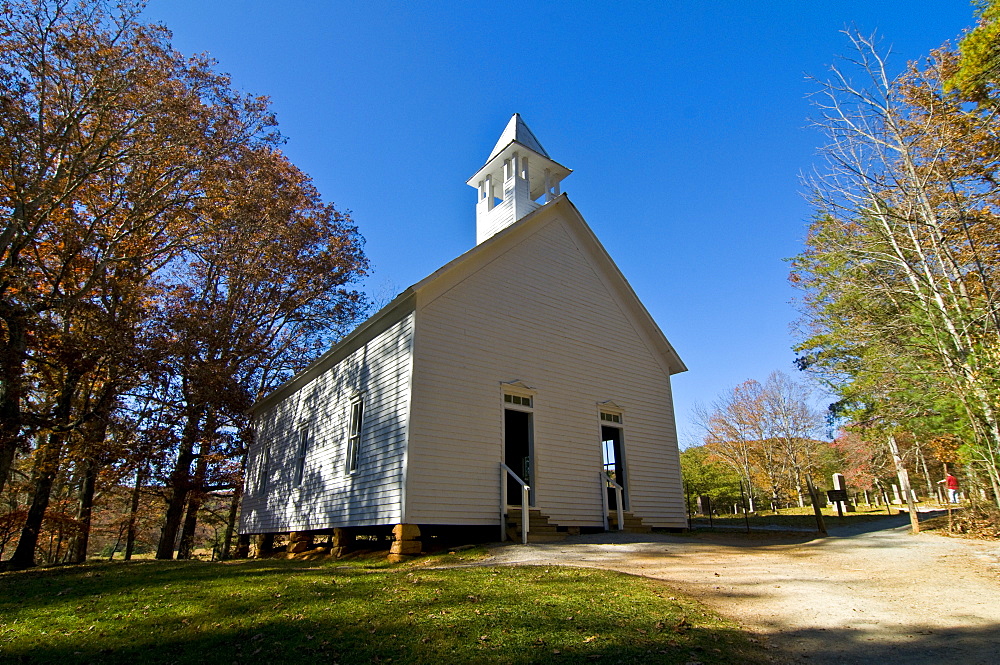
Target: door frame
[(513, 396), (615, 420)]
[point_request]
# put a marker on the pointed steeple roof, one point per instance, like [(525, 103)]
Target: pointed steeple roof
[(517, 131)]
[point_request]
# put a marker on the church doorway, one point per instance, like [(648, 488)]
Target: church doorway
[(518, 453), (614, 463)]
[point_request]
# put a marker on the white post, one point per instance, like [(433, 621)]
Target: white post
[(503, 503), (621, 508), (524, 514), (604, 500)]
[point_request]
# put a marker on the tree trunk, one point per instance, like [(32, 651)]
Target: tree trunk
[(179, 483), (923, 465), (196, 489), (185, 548), (95, 433), (78, 548), (46, 467), (11, 389), (140, 477), (904, 485), (234, 506)]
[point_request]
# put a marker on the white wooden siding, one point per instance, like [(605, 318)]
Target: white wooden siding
[(329, 496), (542, 313)]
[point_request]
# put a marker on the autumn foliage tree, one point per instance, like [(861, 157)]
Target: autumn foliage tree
[(767, 433), (156, 248), (262, 294)]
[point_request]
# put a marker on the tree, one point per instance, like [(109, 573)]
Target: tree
[(767, 433), (793, 426), (259, 298), (900, 273), (705, 476), (104, 133), (979, 65), (732, 430), (156, 239)]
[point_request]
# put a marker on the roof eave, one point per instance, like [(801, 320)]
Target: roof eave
[(396, 306)]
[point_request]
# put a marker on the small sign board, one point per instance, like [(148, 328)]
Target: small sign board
[(836, 495)]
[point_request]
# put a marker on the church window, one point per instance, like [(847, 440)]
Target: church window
[(354, 433), (265, 469), (300, 455)]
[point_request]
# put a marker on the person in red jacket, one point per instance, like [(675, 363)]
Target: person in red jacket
[(951, 483)]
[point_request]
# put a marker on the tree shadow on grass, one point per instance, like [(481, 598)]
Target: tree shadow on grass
[(398, 642), (59, 585)]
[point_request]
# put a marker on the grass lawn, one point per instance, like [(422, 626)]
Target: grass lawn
[(354, 612), (797, 518)]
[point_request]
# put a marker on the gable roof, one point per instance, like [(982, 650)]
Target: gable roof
[(454, 271)]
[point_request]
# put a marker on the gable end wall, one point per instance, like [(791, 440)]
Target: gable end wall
[(539, 313)]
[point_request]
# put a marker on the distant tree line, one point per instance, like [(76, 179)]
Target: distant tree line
[(162, 265), (900, 277), (760, 441)]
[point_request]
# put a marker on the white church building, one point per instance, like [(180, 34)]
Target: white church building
[(527, 362)]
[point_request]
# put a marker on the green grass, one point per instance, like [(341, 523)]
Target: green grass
[(798, 518), (355, 612)]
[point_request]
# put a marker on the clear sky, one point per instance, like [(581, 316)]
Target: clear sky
[(686, 125)]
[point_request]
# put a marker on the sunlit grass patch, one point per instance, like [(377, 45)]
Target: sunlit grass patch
[(301, 612)]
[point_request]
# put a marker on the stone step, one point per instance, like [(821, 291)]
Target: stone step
[(632, 523), (514, 534), (540, 530)]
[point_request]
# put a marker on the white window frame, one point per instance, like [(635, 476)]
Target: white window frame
[(355, 432), (517, 390), (300, 456), (265, 469)]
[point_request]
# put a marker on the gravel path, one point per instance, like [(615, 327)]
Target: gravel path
[(868, 594)]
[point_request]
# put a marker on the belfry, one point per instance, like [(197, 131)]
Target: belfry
[(517, 174)]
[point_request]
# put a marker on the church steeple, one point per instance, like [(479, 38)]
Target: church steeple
[(516, 175)]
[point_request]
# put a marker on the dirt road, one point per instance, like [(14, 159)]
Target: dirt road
[(874, 594)]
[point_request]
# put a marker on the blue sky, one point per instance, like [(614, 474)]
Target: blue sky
[(686, 125)]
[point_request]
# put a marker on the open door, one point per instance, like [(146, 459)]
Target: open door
[(518, 453), (614, 463)]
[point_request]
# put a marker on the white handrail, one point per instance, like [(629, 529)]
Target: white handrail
[(525, 489), (618, 503)]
